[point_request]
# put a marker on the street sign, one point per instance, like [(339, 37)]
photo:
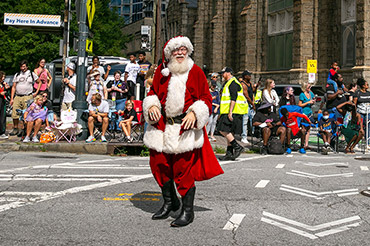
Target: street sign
[(311, 77), (90, 6), (311, 66), (32, 20), (89, 46)]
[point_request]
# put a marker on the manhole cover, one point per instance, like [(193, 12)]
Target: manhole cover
[(362, 158)]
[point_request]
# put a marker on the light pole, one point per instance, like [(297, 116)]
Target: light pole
[(80, 103)]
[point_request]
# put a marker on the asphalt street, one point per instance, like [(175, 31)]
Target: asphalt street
[(70, 199)]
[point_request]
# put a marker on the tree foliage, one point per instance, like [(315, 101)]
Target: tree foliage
[(17, 44)]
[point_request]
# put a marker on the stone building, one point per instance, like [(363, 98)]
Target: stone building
[(275, 38)]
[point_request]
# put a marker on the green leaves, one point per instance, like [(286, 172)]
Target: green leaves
[(17, 44)]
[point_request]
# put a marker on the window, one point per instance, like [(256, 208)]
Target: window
[(214, 7), (115, 2), (126, 9), (280, 35), (348, 21)]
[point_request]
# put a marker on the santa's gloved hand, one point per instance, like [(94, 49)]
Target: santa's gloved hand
[(189, 121), (154, 114)]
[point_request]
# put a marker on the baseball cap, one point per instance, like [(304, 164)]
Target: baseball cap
[(214, 74), (226, 70), (246, 72)]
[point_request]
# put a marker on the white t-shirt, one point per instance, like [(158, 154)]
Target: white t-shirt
[(132, 69), (100, 69), (24, 82), (102, 108), (69, 94)]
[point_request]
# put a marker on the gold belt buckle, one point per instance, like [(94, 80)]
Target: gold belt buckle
[(170, 121)]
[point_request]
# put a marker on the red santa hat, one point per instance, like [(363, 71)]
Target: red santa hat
[(171, 45)]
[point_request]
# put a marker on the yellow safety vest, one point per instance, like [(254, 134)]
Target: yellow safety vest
[(258, 97), (241, 104)]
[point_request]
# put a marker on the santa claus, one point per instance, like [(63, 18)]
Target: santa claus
[(177, 109)]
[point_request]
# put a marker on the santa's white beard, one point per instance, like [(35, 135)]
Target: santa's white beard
[(176, 67)]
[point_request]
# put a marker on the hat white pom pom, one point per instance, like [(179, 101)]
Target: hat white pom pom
[(165, 72)]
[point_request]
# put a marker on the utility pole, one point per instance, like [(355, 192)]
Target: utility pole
[(158, 28), (65, 35), (80, 103)]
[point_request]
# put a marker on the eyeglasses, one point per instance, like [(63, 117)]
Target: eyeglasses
[(180, 50), (44, 96)]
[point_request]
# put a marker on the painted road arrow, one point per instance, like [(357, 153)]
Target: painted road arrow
[(318, 195), (306, 230), (311, 175)]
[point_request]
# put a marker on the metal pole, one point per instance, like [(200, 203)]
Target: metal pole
[(80, 103), (158, 31), (65, 36)]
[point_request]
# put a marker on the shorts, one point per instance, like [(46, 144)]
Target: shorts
[(235, 126), (20, 102)]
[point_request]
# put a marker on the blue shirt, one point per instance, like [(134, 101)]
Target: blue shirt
[(306, 109), (216, 101)]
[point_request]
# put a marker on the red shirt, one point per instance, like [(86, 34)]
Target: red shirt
[(292, 122)]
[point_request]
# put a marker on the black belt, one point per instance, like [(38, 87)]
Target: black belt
[(24, 95), (173, 120)]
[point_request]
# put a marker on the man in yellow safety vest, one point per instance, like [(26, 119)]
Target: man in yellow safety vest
[(233, 106)]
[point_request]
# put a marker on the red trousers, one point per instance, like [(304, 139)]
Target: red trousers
[(174, 166)]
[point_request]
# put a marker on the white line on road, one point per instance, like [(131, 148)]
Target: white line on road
[(262, 184), (280, 166), (244, 159), (22, 193), (234, 222), (364, 168), (315, 164), (336, 230), (311, 175), (91, 167)]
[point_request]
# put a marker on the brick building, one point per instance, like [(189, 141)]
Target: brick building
[(275, 38)]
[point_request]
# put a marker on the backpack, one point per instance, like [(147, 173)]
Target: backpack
[(275, 147)]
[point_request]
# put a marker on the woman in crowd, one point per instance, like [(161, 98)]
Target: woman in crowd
[(96, 86), (50, 116), (353, 129), (3, 89), (362, 102), (34, 116), (44, 75), (306, 100), (269, 94), (211, 126), (117, 91), (351, 93), (288, 97)]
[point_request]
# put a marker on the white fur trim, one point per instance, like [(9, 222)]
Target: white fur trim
[(201, 111), (153, 138), (148, 102), (165, 72), (177, 42), (176, 95)]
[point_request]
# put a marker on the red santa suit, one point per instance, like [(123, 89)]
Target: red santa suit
[(182, 155)]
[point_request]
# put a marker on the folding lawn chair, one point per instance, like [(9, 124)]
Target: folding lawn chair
[(335, 133), (137, 130), (69, 128)]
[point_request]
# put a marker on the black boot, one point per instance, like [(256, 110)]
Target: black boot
[(229, 154), (171, 201), (187, 213), (238, 149)]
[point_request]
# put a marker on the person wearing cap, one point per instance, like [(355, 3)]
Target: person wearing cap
[(233, 106), (96, 85), (214, 77), (248, 93), (269, 124), (211, 126), (70, 87), (177, 109)]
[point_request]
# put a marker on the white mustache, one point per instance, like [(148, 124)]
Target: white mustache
[(180, 56)]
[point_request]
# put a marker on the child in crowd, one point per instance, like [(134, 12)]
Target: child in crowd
[(129, 118), (34, 116), (211, 126), (326, 127), (333, 73)]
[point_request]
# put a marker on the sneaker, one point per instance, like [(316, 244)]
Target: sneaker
[(264, 150), (48, 128), (245, 140), (90, 139), (288, 150), (3, 136), (302, 151), (103, 139), (35, 140), (14, 132), (26, 139)]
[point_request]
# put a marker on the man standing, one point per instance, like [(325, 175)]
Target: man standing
[(334, 94), (233, 106), (177, 109), (248, 93), (70, 87), (131, 71), (96, 66), (22, 92), (144, 68)]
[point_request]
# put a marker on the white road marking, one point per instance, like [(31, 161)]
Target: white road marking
[(336, 230), (311, 175), (364, 168), (318, 195), (22, 193), (262, 184), (91, 167), (244, 159), (315, 164), (280, 166), (74, 190), (234, 222)]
